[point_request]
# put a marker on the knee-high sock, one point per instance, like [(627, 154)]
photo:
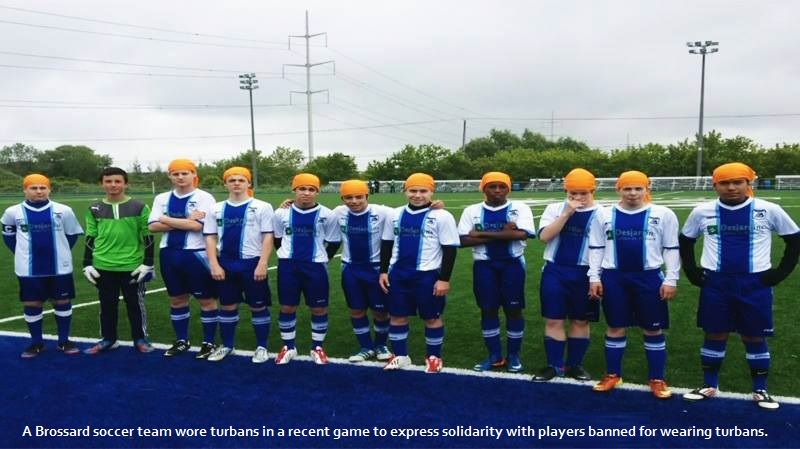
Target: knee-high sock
[(287, 322), (361, 331), (261, 323), (33, 317), (434, 338), (515, 330), (655, 347), (615, 349), (576, 350), (381, 331), (491, 337), (759, 360), (228, 319), (712, 354), (555, 353), (63, 314), (319, 329), (180, 322), (209, 318), (398, 334)]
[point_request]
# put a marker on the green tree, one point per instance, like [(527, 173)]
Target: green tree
[(411, 159), (281, 165), (73, 161), (333, 167), (19, 158)]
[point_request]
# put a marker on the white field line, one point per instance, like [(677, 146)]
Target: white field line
[(678, 391)]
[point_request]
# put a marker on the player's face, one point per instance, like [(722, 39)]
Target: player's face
[(182, 179), (419, 196), (114, 185), (584, 197), (733, 190), (495, 192), (237, 184), (305, 196), (37, 192), (632, 197), (356, 203)]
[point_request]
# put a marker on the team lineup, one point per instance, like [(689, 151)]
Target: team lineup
[(397, 263)]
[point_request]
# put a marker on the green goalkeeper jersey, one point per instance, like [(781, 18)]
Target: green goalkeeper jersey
[(119, 232)]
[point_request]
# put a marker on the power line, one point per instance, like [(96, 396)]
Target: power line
[(119, 72), (666, 117), (374, 112)]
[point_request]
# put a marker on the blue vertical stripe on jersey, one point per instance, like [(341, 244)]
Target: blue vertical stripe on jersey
[(304, 227), (645, 230), (42, 257), (735, 228), (493, 221), (629, 239), (176, 208), (233, 222), (571, 239), (359, 238), (409, 239)]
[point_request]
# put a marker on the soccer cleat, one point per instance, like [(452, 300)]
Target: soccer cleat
[(285, 356), (68, 348), (397, 362), (32, 351), (382, 353), (659, 389), (433, 364), (577, 372), (700, 394), (219, 354), (143, 346), (178, 348), (607, 383), (261, 355), (205, 350), (546, 374), (764, 400), (362, 355), (489, 364), (102, 346), (318, 356), (514, 363)]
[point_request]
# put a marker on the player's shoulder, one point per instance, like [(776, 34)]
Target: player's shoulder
[(60, 207), (202, 194), (659, 210), (14, 209), (441, 213), (260, 204), (759, 203)]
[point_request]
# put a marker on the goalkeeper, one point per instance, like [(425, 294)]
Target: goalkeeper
[(118, 257)]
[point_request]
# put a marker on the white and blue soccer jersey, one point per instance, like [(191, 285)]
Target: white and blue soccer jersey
[(571, 245), (174, 205), (738, 239), (361, 233), (304, 232), (240, 227), (482, 217), (42, 248), (635, 240), (419, 236)]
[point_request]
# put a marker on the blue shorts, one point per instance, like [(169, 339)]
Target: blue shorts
[(309, 278), (735, 303), (361, 288), (498, 283), (42, 288), (411, 293), (633, 298), (239, 285), (564, 293), (186, 272)]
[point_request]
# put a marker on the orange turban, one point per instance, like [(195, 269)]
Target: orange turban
[(35, 179), (420, 180), (305, 179), (240, 171), (734, 170), (495, 176), (580, 179), (634, 178), (354, 187), (184, 164)]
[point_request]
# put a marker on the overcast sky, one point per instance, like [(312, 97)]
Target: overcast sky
[(155, 80)]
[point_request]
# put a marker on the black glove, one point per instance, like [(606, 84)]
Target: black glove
[(772, 277), (695, 275)]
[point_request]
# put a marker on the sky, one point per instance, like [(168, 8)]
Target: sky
[(150, 81)]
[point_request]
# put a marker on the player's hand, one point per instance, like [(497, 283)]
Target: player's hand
[(510, 226), (383, 281), (197, 215), (287, 203), (260, 272), (595, 290), (91, 274), (571, 205), (217, 273), (441, 288), (437, 204), (695, 275), (142, 273), (667, 292), (771, 277)]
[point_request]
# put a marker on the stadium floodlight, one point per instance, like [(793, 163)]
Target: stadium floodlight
[(248, 82), (701, 48)]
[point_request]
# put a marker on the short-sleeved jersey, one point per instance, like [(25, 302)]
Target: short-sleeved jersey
[(571, 245), (635, 240), (419, 236), (118, 230), (181, 206), (240, 227), (303, 232), (738, 239), (482, 217), (361, 233), (42, 248)]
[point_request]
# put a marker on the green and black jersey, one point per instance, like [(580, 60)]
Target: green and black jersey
[(117, 238)]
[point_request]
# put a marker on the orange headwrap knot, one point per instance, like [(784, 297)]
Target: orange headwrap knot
[(734, 170), (495, 176)]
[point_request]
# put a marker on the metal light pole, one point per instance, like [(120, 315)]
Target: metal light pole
[(248, 82), (701, 48)]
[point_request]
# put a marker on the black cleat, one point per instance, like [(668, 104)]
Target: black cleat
[(205, 350), (178, 348), (577, 372), (545, 374), (32, 351)]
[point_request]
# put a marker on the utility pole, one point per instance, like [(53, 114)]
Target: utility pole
[(701, 48), (248, 82), (308, 92), (464, 136)]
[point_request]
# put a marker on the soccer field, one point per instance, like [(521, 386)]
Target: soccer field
[(463, 341)]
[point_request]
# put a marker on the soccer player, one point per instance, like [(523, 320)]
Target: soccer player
[(239, 243), (735, 275), (180, 215), (118, 258), (564, 227), (497, 230), (301, 232), (629, 243), (418, 253), (41, 234)]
